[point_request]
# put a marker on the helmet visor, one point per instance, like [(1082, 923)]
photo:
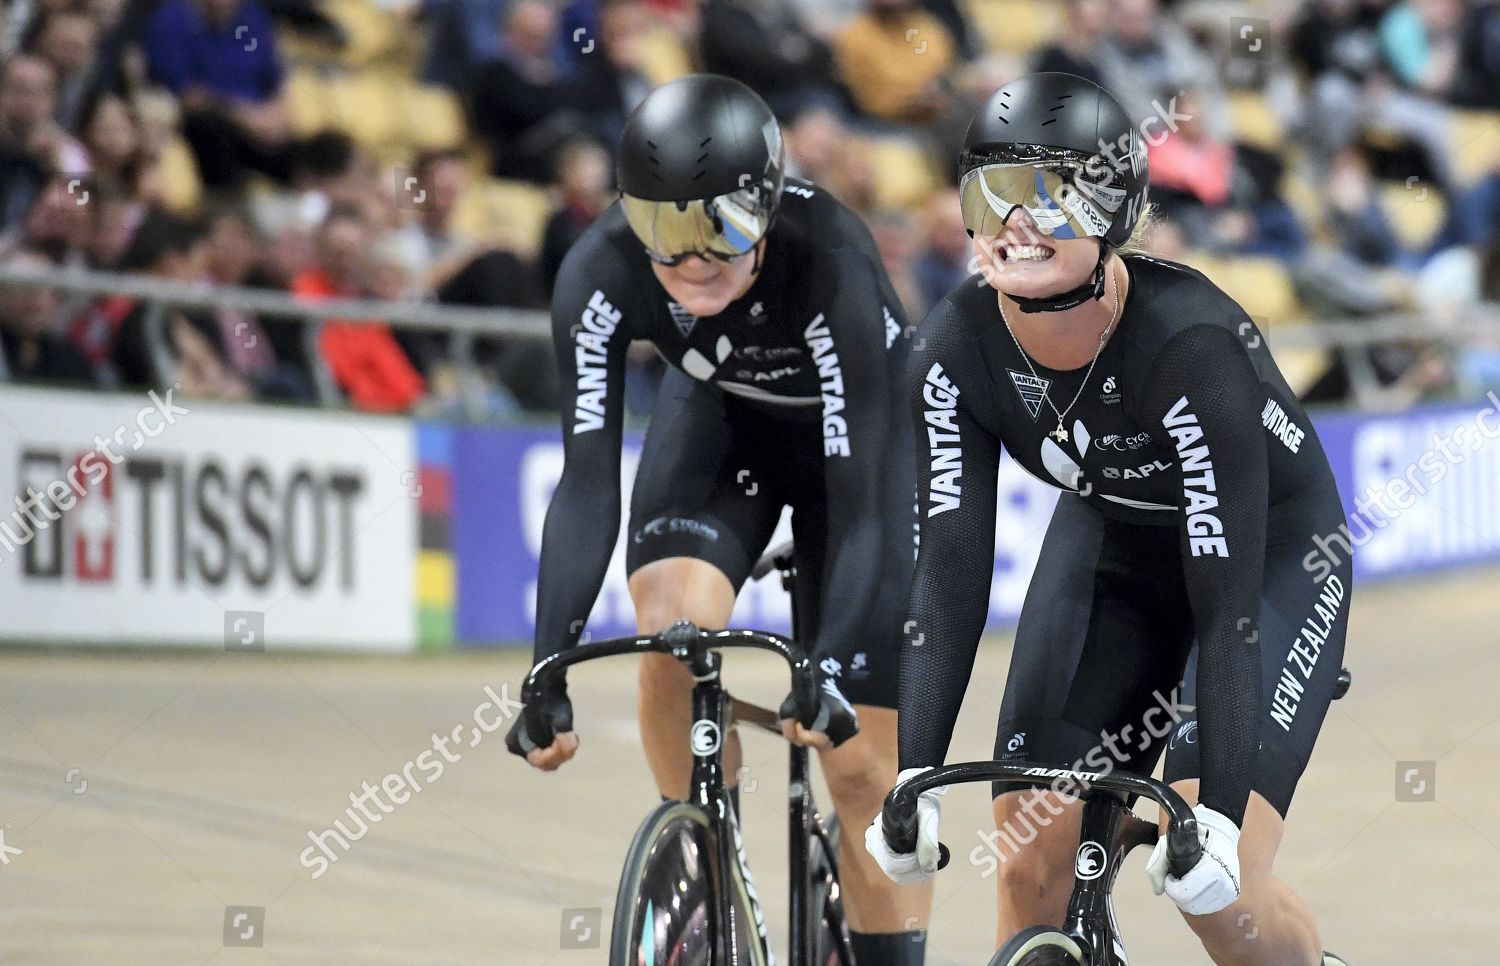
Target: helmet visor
[(723, 227), (1065, 199)]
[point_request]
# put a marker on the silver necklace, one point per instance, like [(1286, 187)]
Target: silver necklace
[(1060, 434)]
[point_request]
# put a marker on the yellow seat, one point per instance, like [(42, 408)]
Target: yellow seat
[(182, 188), (1259, 285), (1416, 214), (1476, 139), (903, 172), (663, 58), (1254, 121), (307, 98), (433, 117), (512, 214), (366, 106), (1015, 26), (371, 32)]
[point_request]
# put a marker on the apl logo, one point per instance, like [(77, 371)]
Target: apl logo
[(705, 738), (1090, 861)]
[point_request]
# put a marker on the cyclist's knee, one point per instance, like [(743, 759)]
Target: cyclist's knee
[(859, 776), (664, 677), (1039, 833), (676, 589)]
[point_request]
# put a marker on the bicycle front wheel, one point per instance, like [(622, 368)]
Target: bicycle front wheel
[(1039, 946), (664, 909)]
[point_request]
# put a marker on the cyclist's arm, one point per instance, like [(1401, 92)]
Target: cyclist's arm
[(846, 344), (1204, 398), (950, 591), (590, 338)]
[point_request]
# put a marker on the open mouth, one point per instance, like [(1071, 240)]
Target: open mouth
[(1026, 253)]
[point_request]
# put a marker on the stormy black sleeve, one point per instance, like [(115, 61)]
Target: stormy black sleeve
[(590, 338), (847, 343), (1204, 394), (957, 461)]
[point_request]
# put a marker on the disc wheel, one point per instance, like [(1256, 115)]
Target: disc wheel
[(1039, 946), (664, 910)]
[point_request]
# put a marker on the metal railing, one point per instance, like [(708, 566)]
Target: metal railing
[(465, 324)]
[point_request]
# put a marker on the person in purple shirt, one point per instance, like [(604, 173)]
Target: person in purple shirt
[(219, 57)]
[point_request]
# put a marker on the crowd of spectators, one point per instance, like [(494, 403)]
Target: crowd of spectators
[(160, 137)]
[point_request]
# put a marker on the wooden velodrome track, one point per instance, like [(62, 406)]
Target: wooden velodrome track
[(200, 775)]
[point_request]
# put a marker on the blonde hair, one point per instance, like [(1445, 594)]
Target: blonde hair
[(1140, 235)]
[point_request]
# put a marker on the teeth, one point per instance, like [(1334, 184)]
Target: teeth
[(1027, 253)]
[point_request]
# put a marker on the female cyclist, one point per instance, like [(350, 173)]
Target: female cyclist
[(1170, 581), (768, 298)]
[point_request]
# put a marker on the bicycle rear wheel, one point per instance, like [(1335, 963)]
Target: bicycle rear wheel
[(1039, 946)]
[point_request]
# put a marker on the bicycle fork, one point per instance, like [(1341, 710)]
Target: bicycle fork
[(710, 720), (1109, 831)]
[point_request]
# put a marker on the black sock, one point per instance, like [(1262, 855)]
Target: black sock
[(888, 948)]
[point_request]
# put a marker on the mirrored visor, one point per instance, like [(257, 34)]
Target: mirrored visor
[(1059, 196), (725, 226)]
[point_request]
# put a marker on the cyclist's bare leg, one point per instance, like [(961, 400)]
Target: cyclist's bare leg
[(1267, 924), (664, 591), (859, 773), (1036, 841)]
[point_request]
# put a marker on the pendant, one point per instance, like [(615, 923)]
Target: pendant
[(1059, 434)]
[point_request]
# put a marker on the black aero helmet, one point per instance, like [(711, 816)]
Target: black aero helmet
[(1061, 147), (700, 169)]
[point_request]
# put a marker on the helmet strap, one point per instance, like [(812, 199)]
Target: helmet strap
[(1072, 298)]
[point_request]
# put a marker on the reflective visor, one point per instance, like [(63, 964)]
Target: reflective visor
[(722, 227), (1060, 196)]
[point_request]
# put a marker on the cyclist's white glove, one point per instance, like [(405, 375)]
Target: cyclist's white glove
[(1214, 882), (907, 868)]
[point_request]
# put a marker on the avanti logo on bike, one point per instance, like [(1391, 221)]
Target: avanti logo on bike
[(705, 738), (1090, 861)]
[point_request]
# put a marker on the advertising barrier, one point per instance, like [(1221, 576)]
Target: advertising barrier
[(149, 519), (1421, 489)]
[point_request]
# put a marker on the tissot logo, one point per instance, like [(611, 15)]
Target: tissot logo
[(197, 522)]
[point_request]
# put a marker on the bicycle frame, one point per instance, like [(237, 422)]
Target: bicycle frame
[(711, 706), (1108, 832)]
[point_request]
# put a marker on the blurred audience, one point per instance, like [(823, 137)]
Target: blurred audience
[(32, 348), (895, 59)]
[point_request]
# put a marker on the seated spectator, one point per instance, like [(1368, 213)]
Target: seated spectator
[(366, 361), (523, 105), (813, 139), (765, 44), (1147, 59), (264, 353), (220, 58), (1420, 43), (943, 264), (1192, 173), (584, 179), (893, 232), (612, 80), (180, 347), (1354, 219), (1072, 52), (34, 350), (1478, 82), (67, 38), (32, 145), (461, 36), (894, 58), (1476, 212)]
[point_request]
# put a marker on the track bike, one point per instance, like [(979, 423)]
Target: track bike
[(686, 897), (1089, 935)]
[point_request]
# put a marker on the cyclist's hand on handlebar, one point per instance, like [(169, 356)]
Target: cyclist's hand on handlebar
[(908, 868), (1214, 882), (835, 724), (552, 741)]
